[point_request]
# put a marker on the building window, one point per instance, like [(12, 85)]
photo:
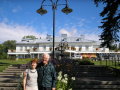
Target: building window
[(80, 49), (25, 47), (87, 47), (50, 49), (73, 48), (34, 49), (44, 47), (21, 48)]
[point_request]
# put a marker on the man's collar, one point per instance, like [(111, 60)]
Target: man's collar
[(46, 64)]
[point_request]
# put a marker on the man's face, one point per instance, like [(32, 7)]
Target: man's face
[(45, 59)]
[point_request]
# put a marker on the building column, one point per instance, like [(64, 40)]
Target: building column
[(33, 56), (24, 55), (30, 56), (38, 56), (70, 52), (16, 56)]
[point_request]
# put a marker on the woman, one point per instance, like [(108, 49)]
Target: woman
[(30, 77)]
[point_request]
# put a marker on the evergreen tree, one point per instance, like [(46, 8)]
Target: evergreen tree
[(110, 22)]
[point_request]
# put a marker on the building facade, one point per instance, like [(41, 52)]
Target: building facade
[(29, 48)]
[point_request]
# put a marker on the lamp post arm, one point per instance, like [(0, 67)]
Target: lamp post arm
[(66, 2), (51, 1), (57, 2), (42, 2), (61, 4)]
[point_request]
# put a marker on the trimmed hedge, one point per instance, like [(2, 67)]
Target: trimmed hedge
[(84, 62)]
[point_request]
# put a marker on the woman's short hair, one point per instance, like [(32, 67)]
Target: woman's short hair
[(34, 61)]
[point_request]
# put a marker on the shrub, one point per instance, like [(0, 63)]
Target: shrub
[(64, 82), (3, 55), (84, 61)]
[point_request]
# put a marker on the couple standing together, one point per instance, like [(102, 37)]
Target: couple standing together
[(40, 76)]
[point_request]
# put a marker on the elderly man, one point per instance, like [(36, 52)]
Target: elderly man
[(46, 74)]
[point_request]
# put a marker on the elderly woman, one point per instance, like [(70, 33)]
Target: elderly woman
[(30, 77)]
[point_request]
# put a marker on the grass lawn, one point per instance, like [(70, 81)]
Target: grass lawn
[(6, 63), (108, 63)]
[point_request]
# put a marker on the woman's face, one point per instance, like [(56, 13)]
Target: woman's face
[(33, 64)]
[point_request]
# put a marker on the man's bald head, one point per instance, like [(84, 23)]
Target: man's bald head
[(46, 55)]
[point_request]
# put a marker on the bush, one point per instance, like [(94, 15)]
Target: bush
[(84, 61), (64, 82), (3, 55)]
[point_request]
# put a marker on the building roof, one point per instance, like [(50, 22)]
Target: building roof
[(63, 38)]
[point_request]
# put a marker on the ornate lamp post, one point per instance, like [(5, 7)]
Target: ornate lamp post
[(54, 4), (62, 47)]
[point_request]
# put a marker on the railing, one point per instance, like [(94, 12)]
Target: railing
[(107, 59), (9, 51)]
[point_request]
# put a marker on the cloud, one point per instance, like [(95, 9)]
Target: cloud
[(81, 22), (73, 32), (69, 33), (17, 9), (16, 32)]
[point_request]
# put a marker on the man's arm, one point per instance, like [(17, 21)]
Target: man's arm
[(53, 78)]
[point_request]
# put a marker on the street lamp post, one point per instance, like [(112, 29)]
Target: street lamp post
[(54, 5), (62, 46)]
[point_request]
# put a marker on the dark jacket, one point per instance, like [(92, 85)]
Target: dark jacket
[(46, 75)]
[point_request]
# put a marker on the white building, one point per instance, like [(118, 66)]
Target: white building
[(29, 48)]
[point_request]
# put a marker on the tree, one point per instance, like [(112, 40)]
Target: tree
[(4, 48), (110, 22), (1, 48), (9, 44), (29, 37)]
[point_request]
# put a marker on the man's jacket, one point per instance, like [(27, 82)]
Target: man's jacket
[(46, 75)]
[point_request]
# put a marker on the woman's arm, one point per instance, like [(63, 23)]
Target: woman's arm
[(24, 80)]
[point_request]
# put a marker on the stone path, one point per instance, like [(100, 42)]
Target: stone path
[(10, 77)]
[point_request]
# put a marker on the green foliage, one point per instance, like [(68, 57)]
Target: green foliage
[(110, 22), (64, 82), (29, 37), (84, 61), (3, 55), (20, 84), (9, 44), (1, 48), (5, 63), (115, 48), (108, 63)]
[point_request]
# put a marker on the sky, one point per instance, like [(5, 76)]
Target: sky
[(18, 18)]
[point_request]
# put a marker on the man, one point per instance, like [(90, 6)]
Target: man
[(46, 74)]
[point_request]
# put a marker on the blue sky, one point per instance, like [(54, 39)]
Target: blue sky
[(19, 18)]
